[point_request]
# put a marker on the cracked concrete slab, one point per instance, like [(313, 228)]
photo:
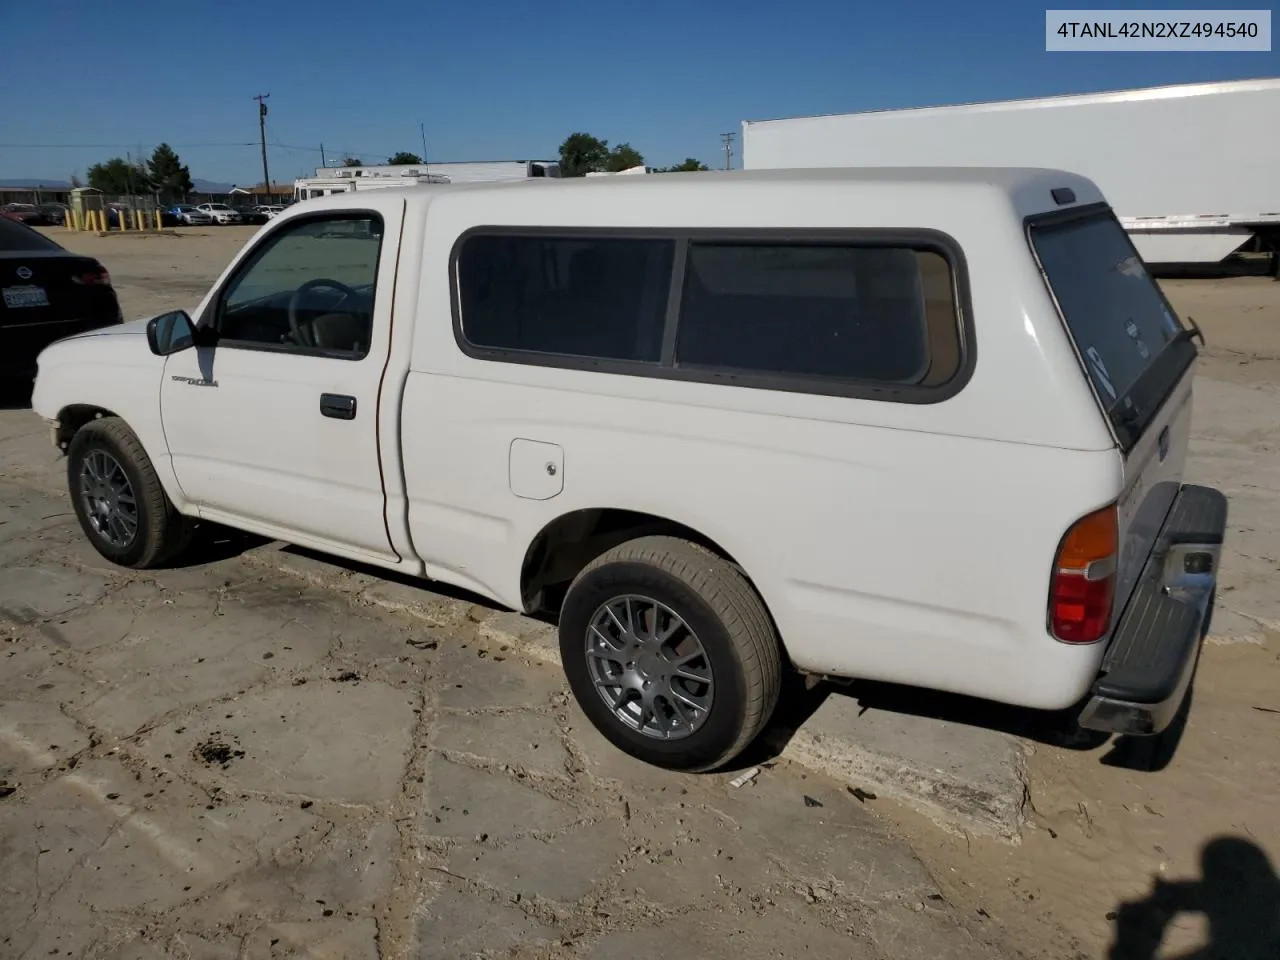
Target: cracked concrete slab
[(224, 761), (341, 742), (518, 740), (746, 935), (464, 801), (961, 776), (31, 594), (459, 923), (565, 867)]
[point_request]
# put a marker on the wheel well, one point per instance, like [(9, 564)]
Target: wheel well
[(570, 542), (72, 418)]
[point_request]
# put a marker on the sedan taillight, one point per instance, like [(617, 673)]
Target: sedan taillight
[(93, 278)]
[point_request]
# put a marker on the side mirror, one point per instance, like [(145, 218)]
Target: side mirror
[(170, 333)]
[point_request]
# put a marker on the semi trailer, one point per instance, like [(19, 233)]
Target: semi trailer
[(1191, 170)]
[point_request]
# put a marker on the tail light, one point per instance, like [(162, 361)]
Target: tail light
[(1084, 578), (93, 278)]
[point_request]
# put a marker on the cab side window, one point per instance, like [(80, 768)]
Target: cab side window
[(309, 289)]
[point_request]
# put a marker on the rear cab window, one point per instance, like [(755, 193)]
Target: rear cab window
[(1131, 343)]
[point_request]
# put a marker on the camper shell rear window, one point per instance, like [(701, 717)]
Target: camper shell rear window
[(1130, 341)]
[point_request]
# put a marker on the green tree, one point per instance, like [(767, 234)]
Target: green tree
[(119, 177), (623, 157), (352, 162), (169, 174), (404, 157), (690, 165), (581, 154)]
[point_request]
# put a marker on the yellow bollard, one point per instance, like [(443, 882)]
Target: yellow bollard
[(102, 220), (159, 221)]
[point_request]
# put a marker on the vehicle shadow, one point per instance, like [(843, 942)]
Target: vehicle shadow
[(213, 543), (1051, 728), (1238, 894)]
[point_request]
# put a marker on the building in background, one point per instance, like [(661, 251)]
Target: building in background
[(329, 180)]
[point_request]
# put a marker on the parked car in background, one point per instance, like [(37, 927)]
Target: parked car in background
[(254, 215), (48, 293), (219, 212), (272, 210), (841, 485), (190, 215), (55, 213), (27, 213)]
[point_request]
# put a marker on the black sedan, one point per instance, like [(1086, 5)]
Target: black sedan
[(254, 215), (47, 293)]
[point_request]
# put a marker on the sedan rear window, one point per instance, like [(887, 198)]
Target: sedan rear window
[(17, 237), (1133, 346)]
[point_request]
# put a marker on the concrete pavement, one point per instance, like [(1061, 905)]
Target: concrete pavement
[(224, 761)]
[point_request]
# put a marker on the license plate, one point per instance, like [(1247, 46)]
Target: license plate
[(30, 296)]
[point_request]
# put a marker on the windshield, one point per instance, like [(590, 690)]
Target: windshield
[(1133, 345)]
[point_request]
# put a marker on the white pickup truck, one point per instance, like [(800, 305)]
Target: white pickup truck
[(922, 426)]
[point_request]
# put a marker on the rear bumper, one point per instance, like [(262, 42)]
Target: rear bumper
[(1155, 647)]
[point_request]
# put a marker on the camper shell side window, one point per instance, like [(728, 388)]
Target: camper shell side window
[(876, 314)]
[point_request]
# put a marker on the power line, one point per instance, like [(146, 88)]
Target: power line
[(114, 146)]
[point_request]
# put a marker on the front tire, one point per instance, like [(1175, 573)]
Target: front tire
[(118, 499), (670, 653)]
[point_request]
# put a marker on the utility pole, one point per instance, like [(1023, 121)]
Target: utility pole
[(322, 163), (422, 129), (728, 149), (262, 135)]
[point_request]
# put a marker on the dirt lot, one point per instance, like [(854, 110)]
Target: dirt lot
[(1116, 863)]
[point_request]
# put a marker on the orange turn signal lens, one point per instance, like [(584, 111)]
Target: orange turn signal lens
[(1084, 574)]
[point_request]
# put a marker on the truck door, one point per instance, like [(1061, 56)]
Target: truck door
[(272, 427)]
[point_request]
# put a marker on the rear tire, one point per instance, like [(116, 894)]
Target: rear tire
[(670, 653), (118, 499)]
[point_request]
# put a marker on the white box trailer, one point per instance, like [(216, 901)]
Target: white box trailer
[(305, 188), (329, 180), (1191, 170)]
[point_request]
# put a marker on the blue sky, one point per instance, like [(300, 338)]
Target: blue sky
[(509, 79)]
